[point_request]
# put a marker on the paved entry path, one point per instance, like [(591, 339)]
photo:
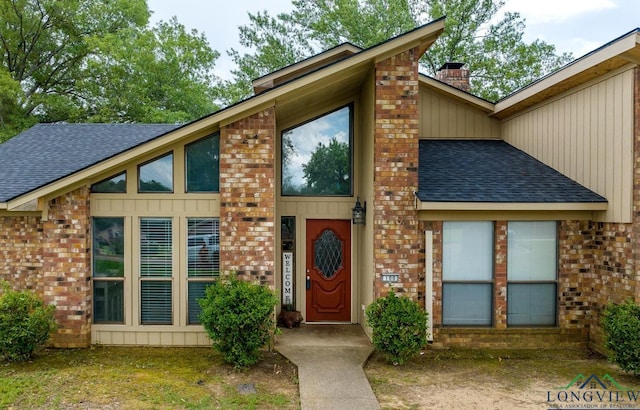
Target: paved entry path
[(330, 360)]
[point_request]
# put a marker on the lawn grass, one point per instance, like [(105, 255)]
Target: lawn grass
[(144, 378), (197, 378)]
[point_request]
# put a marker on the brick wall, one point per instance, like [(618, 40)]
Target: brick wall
[(247, 197), (398, 244), (575, 275), (614, 271), (66, 271), (21, 252)]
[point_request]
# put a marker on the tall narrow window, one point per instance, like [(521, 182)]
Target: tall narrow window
[(203, 260), (108, 270), (317, 156), (156, 175), (532, 265), (156, 270), (202, 159), (467, 273)]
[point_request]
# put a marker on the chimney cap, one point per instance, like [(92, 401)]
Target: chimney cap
[(451, 66)]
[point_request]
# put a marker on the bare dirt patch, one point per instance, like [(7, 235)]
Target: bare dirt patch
[(486, 379)]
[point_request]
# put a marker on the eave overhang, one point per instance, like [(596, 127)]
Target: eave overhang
[(499, 211), (510, 206), (618, 53)]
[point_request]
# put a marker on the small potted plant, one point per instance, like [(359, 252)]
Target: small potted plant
[(289, 316)]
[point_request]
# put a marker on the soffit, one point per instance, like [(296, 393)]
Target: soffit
[(611, 56), (310, 64)]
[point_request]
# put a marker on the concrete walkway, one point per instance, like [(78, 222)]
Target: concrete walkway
[(330, 360)]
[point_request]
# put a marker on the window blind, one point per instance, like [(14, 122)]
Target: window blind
[(155, 247), (156, 264), (155, 302)]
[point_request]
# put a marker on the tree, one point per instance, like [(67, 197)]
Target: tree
[(491, 46), (98, 60), (329, 169)]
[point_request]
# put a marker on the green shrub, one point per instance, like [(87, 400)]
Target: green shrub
[(238, 317), (399, 327), (621, 325), (25, 324)]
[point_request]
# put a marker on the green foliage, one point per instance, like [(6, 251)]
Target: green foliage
[(99, 61), (399, 327), (328, 171), (492, 47), (238, 317), (621, 325), (25, 324)]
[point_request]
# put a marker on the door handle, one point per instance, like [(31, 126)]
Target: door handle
[(308, 282)]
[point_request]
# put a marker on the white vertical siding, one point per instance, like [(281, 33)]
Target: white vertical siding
[(587, 134)]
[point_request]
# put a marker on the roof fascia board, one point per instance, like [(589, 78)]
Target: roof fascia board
[(426, 34), (477, 102), (511, 206), (445, 215), (608, 52), (4, 212), (240, 110), (573, 90), (270, 78)]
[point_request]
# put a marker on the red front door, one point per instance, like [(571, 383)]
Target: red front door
[(328, 270)]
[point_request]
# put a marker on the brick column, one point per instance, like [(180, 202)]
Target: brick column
[(397, 240), (67, 267), (500, 272), (247, 197), (575, 282)]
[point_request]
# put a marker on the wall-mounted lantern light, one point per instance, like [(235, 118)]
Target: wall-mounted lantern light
[(359, 212)]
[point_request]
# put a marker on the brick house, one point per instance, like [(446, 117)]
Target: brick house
[(513, 222)]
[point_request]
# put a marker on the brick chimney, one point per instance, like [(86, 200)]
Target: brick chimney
[(455, 75)]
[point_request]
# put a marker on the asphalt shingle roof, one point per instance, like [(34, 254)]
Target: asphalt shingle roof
[(491, 171), (46, 153)]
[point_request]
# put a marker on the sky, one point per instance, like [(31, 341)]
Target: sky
[(577, 26)]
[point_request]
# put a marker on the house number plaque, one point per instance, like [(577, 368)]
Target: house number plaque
[(390, 277)]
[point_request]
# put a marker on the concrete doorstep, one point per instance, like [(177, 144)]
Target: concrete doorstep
[(330, 360)]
